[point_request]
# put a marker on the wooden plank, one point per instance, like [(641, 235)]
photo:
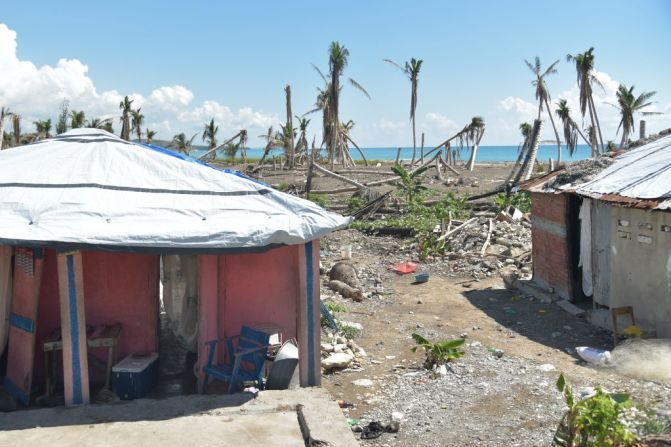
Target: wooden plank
[(73, 328), (28, 265)]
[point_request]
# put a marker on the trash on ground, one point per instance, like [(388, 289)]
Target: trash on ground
[(405, 267), (594, 356)]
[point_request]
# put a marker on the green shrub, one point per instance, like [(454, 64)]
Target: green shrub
[(320, 199), (593, 422), (440, 352), (355, 203), (520, 200)]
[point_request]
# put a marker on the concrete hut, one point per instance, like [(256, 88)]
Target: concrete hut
[(602, 229), (84, 220)]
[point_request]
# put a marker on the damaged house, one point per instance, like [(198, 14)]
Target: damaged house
[(602, 230)]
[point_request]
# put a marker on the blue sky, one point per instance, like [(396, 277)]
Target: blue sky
[(185, 63)]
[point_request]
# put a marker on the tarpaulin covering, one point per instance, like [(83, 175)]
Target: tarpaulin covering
[(89, 188), (641, 173)]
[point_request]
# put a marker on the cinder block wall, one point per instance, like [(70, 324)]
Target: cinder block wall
[(550, 248)]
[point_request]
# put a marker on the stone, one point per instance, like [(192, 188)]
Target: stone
[(327, 347), (547, 367), (395, 421), (366, 383), (338, 360)]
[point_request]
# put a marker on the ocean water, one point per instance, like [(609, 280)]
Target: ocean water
[(486, 154)]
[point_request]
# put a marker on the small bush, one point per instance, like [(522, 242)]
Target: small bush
[(355, 203), (349, 332), (320, 199), (520, 200)]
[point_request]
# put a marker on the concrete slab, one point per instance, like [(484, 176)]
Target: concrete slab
[(272, 419), (571, 308)]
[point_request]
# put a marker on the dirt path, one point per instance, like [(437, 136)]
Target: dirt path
[(485, 399)]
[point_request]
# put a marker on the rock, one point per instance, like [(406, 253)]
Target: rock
[(366, 383), (338, 360), (344, 272), (395, 422), (326, 347), (547, 367)]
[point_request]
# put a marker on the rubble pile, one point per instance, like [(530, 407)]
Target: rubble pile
[(340, 353), (509, 247)]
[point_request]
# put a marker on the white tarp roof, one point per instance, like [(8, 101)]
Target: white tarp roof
[(641, 173), (89, 188)]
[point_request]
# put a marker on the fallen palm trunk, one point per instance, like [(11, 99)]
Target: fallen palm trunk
[(375, 183), (345, 290), (459, 228), (444, 163), (489, 236)]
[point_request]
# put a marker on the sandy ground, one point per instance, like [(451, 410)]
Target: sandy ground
[(483, 400)]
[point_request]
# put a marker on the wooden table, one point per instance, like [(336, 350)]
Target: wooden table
[(103, 336)]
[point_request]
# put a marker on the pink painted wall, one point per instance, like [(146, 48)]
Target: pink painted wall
[(259, 288), (118, 288)]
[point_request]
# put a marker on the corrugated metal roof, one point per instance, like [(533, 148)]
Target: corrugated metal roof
[(640, 177)]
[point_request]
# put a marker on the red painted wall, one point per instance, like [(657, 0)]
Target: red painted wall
[(118, 288)]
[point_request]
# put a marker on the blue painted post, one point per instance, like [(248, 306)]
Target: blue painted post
[(73, 328)]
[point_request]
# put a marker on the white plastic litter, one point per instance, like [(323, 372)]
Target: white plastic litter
[(594, 356)]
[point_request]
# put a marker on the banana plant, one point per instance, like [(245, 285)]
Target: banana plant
[(440, 352), (410, 182)]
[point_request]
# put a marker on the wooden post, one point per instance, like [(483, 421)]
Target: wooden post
[(73, 328), (208, 310), (309, 331), (422, 149), (398, 155)]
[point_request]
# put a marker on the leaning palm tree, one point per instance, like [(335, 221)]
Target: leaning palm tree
[(584, 67), (273, 140), (182, 144), (411, 69), (525, 130), (77, 119), (150, 135), (542, 93), (338, 58), (476, 129), (4, 114), (125, 107), (137, 120), (628, 104), (571, 129), (210, 135)]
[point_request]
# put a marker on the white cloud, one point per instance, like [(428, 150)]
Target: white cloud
[(386, 124), (37, 92), (524, 109), (438, 121)]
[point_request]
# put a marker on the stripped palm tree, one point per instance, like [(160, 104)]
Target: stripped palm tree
[(210, 135), (628, 104), (137, 120), (338, 58), (411, 69), (571, 129), (584, 67), (125, 107), (16, 124), (182, 144), (77, 119), (473, 134), (150, 135), (289, 148), (543, 95), (532, 152)]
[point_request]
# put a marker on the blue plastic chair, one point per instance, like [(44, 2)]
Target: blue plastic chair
[(243, 363)]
